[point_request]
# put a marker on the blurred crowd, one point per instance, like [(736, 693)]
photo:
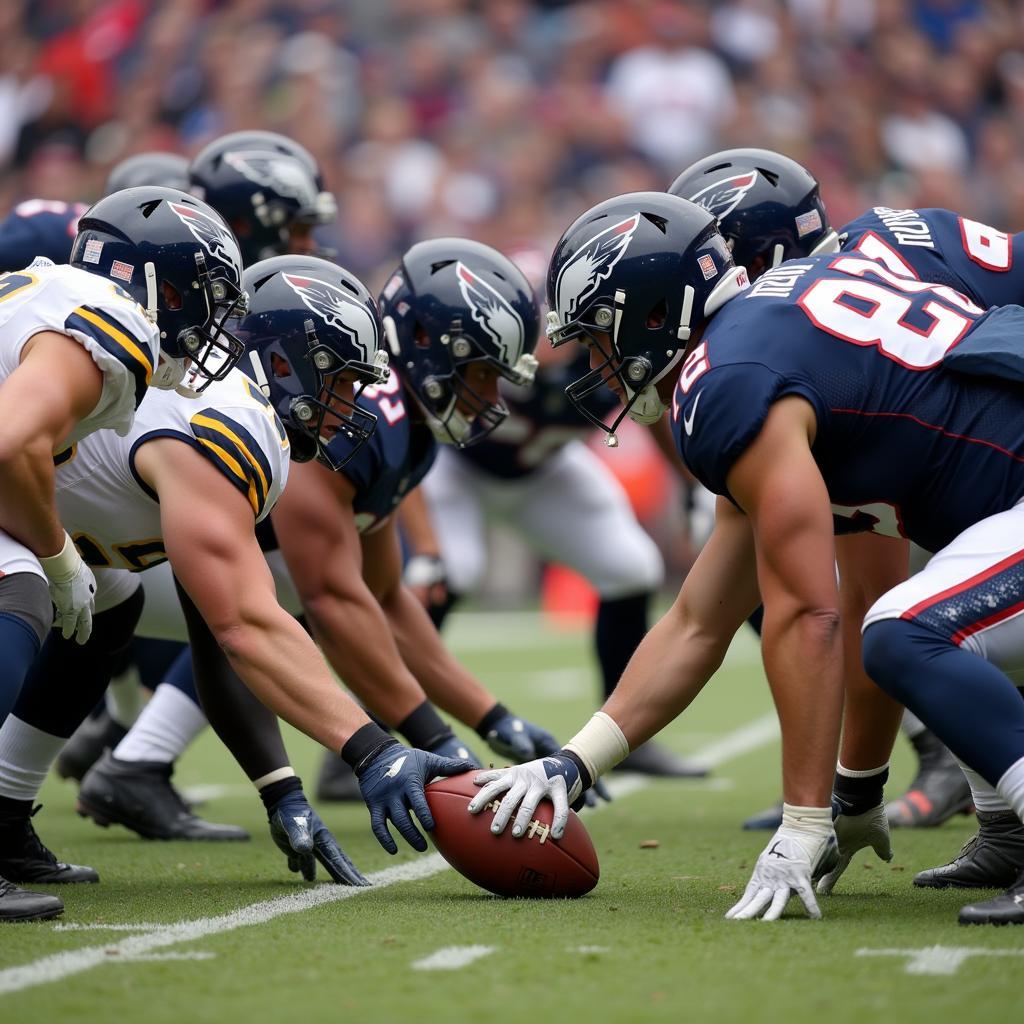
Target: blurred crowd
[(504, 119)]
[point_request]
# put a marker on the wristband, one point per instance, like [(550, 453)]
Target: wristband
[(62, 566), (856, 792), (487, 723), (424, 571), (275, 776), (273, 793), (600, 745), (809, 820), (586, 779), (424, 727), (364, 745)]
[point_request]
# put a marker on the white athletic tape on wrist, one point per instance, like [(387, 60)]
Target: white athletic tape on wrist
[(275, 776), (600, 744), (851, 773), (62, 566), (807, 819)]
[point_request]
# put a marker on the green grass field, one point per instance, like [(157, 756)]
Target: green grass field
[(180, 931)]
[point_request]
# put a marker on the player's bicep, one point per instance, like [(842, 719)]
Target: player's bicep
[(777, 482)]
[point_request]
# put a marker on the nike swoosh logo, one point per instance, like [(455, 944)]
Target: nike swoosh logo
[(688, 419), (393, 771)]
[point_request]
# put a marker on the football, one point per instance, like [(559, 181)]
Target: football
[(535, 865)]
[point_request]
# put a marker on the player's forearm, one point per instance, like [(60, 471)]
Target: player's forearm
[(448, 684), (417, 528), (667, 671), (355, 637), (803, 661), (279, 663), (27, 507)]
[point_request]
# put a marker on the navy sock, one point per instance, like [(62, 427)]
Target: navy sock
[(756, 619), (180, 674), (67, 679), (20, 645), (966, 701), (621, 625)]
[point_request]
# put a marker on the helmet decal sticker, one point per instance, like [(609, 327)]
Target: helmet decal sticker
[(281, 173), (580, 276), (214, 235), (491, 311), (338, 311), (724, 195)]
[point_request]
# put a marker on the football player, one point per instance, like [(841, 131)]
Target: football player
[(531, 473), (789, 399), (772, 212), (334, 544), (153, 275), (188, 484)]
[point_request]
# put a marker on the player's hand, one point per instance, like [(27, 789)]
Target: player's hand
[(856, 832), (72, 590), (552, 778), (452, 746), (304, 839), (427, 578), (392, 784), (513, 737), (803, 848), (596, 791)]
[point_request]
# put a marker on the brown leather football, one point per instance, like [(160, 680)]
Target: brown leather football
[(535, 865)]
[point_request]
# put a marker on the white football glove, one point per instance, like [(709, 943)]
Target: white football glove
[(803, 847), (553, 778), (856, 833), (72, 590)]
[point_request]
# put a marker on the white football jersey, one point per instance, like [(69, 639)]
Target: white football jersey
[(113, 328), (111, 513)]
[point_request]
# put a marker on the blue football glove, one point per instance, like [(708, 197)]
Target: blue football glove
[(392, 784), (598, 789), (452, 746), (513, 737), (304, 839)]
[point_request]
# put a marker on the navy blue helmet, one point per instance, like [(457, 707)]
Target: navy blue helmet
[(265, 186), (450, 303), (768, 206), (310, 326), (151, 168), (634, 277), (179, 260)]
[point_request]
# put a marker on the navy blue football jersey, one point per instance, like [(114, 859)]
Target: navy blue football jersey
[(541, 421), (905, 446), (38, 227), (394, 460), (938, 245)]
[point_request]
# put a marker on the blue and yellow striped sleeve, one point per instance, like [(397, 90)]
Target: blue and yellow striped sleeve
[(116, 339), (236, 453)]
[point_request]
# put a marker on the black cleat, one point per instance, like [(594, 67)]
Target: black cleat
[(21, 905), (139, 795), (1006, 908), (24, 858), (992, 859), (939, 790), (87, 744), (337, 781), (770, 818), (651, 758)]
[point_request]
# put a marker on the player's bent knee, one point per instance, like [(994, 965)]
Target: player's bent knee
[(895, 653), (640, 573)]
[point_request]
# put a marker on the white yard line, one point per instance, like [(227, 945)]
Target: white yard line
[(938, 960), (452, 958), (63, 965)]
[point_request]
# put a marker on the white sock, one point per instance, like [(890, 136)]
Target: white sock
[(1011, 787), (985, 796), (166, 726), (912, 725), (124, 697), (26, 755)]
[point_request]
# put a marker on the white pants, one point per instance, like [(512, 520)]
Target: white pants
[(15, 557), (162, 618), (571, 510), (972, 591)]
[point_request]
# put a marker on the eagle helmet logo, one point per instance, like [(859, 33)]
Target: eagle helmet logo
[(724, 195), (284, 175), (492, 312), (211, 233), (592, 263), (330, 303)]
